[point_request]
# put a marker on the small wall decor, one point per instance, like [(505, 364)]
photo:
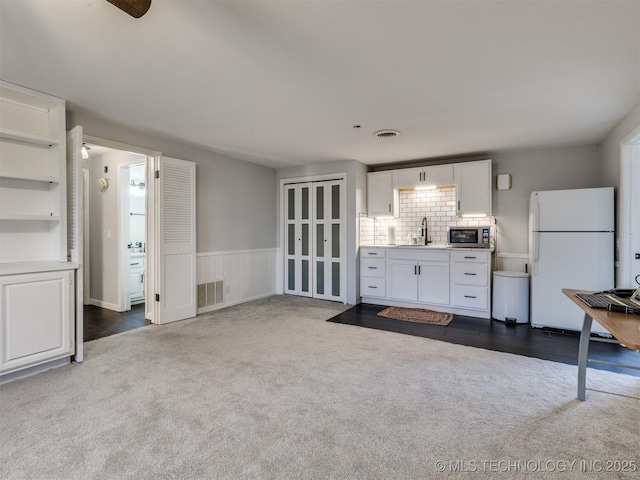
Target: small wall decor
[(103, 184)]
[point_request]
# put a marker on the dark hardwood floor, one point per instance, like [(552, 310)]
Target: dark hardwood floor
[(494, 335), (100, 322)]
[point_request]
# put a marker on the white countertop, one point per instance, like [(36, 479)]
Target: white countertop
[(429, 247), (16, 268)]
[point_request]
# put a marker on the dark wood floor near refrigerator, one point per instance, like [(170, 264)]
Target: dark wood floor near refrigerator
[(100, 322), (494, 335)]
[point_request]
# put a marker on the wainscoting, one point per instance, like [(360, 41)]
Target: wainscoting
[(511, 262), (231, 277)]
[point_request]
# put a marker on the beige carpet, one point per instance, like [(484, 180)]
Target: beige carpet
[(269, 390)]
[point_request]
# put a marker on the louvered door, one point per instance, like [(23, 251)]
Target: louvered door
[(75, 237), (177, 240)]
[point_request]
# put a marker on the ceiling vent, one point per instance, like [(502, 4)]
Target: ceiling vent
[(386, 133)]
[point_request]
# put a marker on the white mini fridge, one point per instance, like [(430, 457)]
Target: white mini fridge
[(571, 245)]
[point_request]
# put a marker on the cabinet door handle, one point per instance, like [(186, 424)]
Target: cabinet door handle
[(372, 286), (372, 268), (419, 270), (466, 273), (469, 296), (389, 208), (415, 269), (458, 204), (471, 258), (372, 253)]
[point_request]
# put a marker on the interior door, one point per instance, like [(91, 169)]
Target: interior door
[(176, 252), (298, 241), (329, 266), (75, 229)]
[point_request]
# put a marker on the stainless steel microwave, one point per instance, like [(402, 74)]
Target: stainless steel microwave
[(469, 237)]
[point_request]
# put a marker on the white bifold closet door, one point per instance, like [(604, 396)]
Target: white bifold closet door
[(315, 239)]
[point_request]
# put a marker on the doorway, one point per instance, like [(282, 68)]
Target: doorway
[(629, 201), (118, 236)]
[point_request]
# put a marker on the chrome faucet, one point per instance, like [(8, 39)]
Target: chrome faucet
[(425, 231)]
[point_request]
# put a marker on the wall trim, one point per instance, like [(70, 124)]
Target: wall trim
[(235, 252)]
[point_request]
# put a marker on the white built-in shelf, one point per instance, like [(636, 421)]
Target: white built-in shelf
[(27, 137), (39, 218), (31, 178)]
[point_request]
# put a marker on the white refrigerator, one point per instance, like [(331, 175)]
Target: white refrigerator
[(571, 245)]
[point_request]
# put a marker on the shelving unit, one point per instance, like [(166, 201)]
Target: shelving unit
[(36, 281)]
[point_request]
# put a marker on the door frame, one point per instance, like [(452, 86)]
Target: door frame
[(152, 159), (629, 204), (280, 254)]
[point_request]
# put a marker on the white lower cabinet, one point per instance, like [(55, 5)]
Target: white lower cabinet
[(36, 319), (136, 279), (455, 281), (471, 275), (422, 277)]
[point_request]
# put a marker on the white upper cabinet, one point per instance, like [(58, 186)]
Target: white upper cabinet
[(423, 176), (32, 176), (382, 198), (473, 187)]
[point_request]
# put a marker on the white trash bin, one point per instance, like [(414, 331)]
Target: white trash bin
[(510, 297)]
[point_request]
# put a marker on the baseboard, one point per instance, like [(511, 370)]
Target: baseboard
[(27, 372), (231, 304), (107, 305)]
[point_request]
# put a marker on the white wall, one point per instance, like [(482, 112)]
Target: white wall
[(609, 151), (103, 235), (236, 200), (534, 170)]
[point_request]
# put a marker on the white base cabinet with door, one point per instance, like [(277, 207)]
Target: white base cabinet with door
[(418, 276), (447, 280), (36, 313)]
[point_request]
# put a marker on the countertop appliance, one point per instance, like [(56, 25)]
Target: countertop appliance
[(571, 245), (474, 237)]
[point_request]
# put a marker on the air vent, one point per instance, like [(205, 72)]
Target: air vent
[(386, 133), (210, 294)]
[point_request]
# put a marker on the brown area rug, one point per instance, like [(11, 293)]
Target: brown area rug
[(418, 315)]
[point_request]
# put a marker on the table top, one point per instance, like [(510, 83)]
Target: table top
[(625, 327)]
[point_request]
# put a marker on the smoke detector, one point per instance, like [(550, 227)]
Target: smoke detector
[(386, 133)]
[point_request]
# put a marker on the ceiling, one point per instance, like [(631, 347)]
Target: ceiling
[(283, 83)]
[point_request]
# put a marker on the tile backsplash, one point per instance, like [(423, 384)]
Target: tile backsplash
[(439, 206)]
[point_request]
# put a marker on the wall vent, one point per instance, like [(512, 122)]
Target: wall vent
[(210, 294)]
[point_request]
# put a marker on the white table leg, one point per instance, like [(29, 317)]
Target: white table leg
[(583, 355)]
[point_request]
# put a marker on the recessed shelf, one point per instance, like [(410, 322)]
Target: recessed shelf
[(31, 178), (39, 218), (18, 136)]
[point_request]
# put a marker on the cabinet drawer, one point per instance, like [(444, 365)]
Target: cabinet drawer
[(372, 287), (373, 267), (136, 262), (419, 254), (372, 252), (475, 257), (471, 297), (470, 274)]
